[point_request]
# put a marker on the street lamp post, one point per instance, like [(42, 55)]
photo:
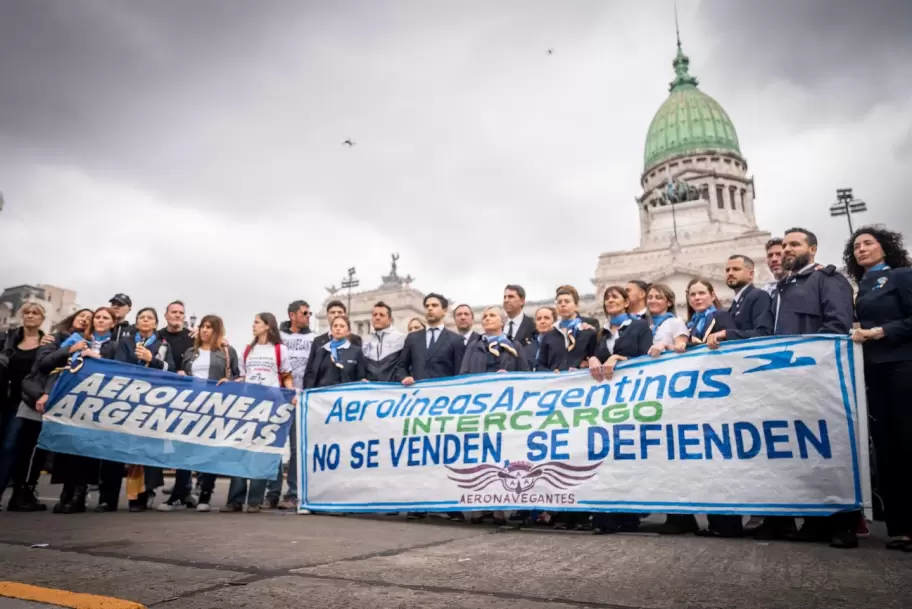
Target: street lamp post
[(846, 204), (350, 283), (193, 321)]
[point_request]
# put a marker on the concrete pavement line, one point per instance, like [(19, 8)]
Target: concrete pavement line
[(63, 598)]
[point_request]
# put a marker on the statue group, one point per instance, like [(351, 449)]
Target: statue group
[(680, 192)]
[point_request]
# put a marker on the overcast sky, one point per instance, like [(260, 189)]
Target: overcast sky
[(192, 149)]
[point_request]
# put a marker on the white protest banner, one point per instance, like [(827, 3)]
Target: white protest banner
[(765, 426)]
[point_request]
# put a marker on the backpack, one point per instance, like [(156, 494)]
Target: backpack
[(278, 358)]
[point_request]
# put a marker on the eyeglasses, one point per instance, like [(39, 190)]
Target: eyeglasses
[(307, 313)]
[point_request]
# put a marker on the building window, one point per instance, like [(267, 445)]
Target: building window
[(720, 196), (686, 161), (673, 165), (704, 192), (727, 161), (743, 206), (731, 191)]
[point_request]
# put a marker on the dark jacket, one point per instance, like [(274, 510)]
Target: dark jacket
[(884, 300), (42, 378), (442, 360), (634, 339), (220, 367), (180, 342), (122, 330), (753, 314), (813, 302), (555, 355), (525, 333), (327, 373), (161, 354), (318, 343), (479, 359), (716, 322)]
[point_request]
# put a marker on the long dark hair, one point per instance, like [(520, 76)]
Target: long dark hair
[(709, 286), (895, 255), (218, 332), (67, 324), (272, 334)]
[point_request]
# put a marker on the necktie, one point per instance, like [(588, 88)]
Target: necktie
[(379, 344), (433, 332), (510, 331)]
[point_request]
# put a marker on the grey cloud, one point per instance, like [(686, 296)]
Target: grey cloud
[(850, 55)]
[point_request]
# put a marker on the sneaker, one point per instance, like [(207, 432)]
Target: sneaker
[(203, 507), (862, 530), (305, 512), (171, 506), (233, 507), (271, 503), (288, 503), (253, 509)]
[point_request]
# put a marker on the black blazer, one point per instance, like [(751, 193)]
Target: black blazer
[(525, 333), (554, 354), (442, 360), (315, 347), (752, 313), (634, 340), (473, 336), (718, 321), (478, 359), (43, 382), (885, 301), (326, 373), (161, 354)]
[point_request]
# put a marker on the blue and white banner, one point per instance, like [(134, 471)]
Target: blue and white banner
[(765, 426), (141, 416)]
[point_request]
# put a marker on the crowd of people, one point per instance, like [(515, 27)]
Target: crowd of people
[(640, 319)]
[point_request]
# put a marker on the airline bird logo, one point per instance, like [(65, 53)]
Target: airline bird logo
[(520, 476), (780, 360)]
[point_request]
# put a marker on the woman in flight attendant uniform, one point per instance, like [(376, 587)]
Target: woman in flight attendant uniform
[(876, 259), (624, 337), (571, 343)]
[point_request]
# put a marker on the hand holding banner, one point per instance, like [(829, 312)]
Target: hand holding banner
[(132, 414), (766, 426)]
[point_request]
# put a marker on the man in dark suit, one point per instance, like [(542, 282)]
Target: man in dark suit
[(751, 308), (434, 352), (519, 327), (465, 322)]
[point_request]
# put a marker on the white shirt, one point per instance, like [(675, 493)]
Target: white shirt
[(738, 295), (669, 330), (641, 315), (436, 334), (465, 336), (384, 343), (517, 322), (200, 366), (298, 346), (259, 367)]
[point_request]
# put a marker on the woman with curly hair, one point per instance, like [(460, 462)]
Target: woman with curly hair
[(876, 259)]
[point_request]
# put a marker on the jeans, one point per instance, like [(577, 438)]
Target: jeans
[(274, 487), (10, 425), (182, 485), (237, 491)]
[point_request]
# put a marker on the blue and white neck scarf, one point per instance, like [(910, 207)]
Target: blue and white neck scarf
[(334, 346), (619, 320), (878, 267), (571, 328), (147, 342), (699, 320), (496, 343), (658, 320)]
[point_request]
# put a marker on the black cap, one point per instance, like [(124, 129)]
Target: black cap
[(121, 299)]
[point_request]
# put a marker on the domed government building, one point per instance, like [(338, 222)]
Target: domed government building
[(696, 209)]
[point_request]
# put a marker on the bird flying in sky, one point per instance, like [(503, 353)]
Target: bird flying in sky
[(348, 143)]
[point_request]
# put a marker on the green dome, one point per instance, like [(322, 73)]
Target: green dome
[(688, 121)]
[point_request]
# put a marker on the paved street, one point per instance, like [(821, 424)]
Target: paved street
[(277, 560)]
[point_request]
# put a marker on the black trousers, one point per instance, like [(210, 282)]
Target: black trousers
[(889, 387), (182, 485)]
